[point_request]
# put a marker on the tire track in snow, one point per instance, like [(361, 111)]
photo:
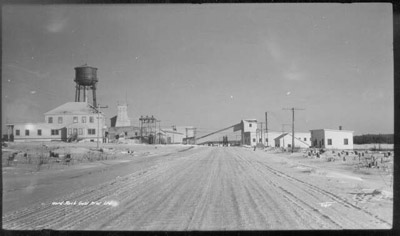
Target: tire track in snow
[(283, 215), (47, 216), (343, 216)]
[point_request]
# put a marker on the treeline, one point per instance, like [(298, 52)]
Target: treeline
[(373, 138)]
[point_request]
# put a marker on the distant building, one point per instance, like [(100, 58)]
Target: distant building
[(267, 138), (249, 132), (301, 140), (332, 139), (121, 127), (70, 121), (124, 132), (180, 135), (121, 119)]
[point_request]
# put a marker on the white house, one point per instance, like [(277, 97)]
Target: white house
[(332, 139), (301, 140)]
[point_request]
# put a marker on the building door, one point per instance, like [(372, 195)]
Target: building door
[(64, 134)]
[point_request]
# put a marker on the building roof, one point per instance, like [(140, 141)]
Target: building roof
[(281, 136), (289, 134), (32, 125), (170, 131), (250, 120), (72, 108), (338, 130)]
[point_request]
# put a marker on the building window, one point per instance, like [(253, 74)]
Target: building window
[(69, 131), (249, 125), (91, 131), (50, 120), (27, 132), (75, 119), (80, 131), (91, 119), (54, 132), (346, 141), (83, 119), (39, 132), (75, 131), (17, 132), (329, 141), (60, 120), (305, 139)]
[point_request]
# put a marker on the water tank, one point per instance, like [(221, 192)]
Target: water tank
[(85, 75)]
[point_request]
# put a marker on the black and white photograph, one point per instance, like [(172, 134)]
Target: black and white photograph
[(197, 117)]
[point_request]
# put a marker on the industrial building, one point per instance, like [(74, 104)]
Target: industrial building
[(149, 130), (70, 121), (181, 134), (267, 138), (121, 119), (332, 139), (248, 130), (121, 127), (301, 140), (124, 132)]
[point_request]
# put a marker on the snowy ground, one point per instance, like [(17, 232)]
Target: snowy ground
[(179, 187)]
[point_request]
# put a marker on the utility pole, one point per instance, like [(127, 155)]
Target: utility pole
[(8, 131), (186, 135), (141, 128), (97, 109), (159, 131), (194, 135), (292, 109), (261, 132), (266, 129)]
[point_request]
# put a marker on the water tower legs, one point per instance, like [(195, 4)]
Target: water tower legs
[(94, 95)]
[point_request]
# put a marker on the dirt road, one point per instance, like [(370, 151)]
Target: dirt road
[(205, 188)]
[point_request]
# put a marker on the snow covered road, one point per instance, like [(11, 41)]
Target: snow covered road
[(205, 188)]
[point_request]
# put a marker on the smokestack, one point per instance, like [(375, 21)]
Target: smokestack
[(340, 127)]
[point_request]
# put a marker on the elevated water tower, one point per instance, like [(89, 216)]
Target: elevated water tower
[(85, 79)]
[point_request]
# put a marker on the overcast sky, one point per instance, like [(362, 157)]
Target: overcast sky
[(206, 65)]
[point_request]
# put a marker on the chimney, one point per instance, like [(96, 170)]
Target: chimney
[(340, 127)]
